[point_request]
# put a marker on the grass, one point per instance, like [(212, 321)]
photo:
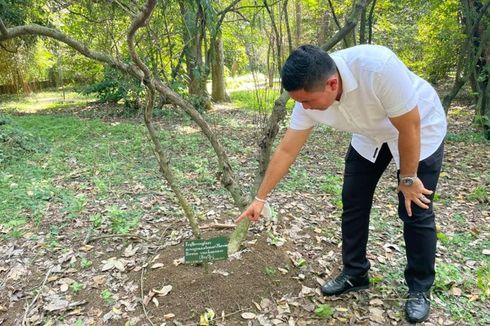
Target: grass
[(103, 157), (466, 137), (46, 100), (261, 100)]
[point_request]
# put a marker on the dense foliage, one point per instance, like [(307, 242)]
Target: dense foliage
[(182, 41)]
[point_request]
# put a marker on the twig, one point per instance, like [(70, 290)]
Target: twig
[(233, 313), (218, 226), (143, 297), (88, 240), (29, 307)]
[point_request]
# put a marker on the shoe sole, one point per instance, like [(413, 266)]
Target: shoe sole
[(354, 289), (419, 320)]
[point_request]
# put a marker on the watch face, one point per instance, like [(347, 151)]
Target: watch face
[(407, 181)]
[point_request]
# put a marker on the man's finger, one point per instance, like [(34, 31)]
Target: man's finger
[(408, 207), (240, 218)]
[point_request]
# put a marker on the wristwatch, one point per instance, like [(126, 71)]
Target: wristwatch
[(408, 181)]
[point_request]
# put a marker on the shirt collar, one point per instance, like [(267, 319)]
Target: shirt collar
[(349, 83)]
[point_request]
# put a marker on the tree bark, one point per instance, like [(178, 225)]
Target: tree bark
[(193, 37), (371, 22), (350, 24), (288, 28), (218, 93), (298, 32)]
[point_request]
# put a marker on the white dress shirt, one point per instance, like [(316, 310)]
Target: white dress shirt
[(377, 86)]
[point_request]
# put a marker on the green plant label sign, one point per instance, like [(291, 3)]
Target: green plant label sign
[(199, 251)]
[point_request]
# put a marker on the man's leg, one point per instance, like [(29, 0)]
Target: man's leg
[(360, 179), (420, 236)]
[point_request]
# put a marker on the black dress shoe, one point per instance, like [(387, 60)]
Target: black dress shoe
[(345, 283), (417, 307)]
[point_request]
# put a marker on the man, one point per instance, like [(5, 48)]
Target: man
[(392, 113)]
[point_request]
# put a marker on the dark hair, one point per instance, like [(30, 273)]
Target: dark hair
[(307, 67)]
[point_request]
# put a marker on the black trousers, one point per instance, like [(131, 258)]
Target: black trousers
[(360, 179)]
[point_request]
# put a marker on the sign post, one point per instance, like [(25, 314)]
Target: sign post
[(201, 251)]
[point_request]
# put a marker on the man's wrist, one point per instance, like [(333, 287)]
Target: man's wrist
[(407, 180), (260, 199)]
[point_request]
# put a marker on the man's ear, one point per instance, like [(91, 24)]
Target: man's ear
[(332, 83)]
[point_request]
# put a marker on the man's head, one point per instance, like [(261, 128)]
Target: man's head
[(310, 76)]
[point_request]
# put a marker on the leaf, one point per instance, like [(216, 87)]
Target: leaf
[(206, 317), (248, 315), (376, 302), (155, 301), (157, 265), (129, 251), (56, 303), (148, 297), (324, 311), (376, 315), (168, 316), (163, 291), (99, 280)]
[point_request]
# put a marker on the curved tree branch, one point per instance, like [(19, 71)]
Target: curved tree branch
[(349, 26)]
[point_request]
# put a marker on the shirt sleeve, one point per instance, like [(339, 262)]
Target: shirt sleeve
[(395, 89), (300, 119)]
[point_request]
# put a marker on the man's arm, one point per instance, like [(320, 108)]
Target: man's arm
[(408, 126), (283, 157)]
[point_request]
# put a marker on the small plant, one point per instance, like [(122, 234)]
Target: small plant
[(270, 270), (375, 279), (443, 238), (446, 276), (76, 287), (85, 263), (107, 296), (96, 220), (483, 280), (101, 187), (207, 318), (333, 186), (79, 322), (74, 205), (53, 235), (121, 220), (479, 194), (459, 218), (324, 311)]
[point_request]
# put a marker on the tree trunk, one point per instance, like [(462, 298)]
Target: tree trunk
[(288, 28), (336, 20), (371, 22), (324, 28), (218, 71), (270, 63), (193, 38), (362, 27), (298, 32), (350, 24)]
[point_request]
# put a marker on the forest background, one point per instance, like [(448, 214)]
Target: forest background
[(77, 169)]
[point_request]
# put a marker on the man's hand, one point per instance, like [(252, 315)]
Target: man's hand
[(415, 193), (252, 212)]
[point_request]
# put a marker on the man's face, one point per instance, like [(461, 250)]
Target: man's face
[(318, 99)]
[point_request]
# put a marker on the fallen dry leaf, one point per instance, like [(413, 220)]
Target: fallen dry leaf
[(168, 316), (163, 291), (248, 315), (157, 265), (155, 301)]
